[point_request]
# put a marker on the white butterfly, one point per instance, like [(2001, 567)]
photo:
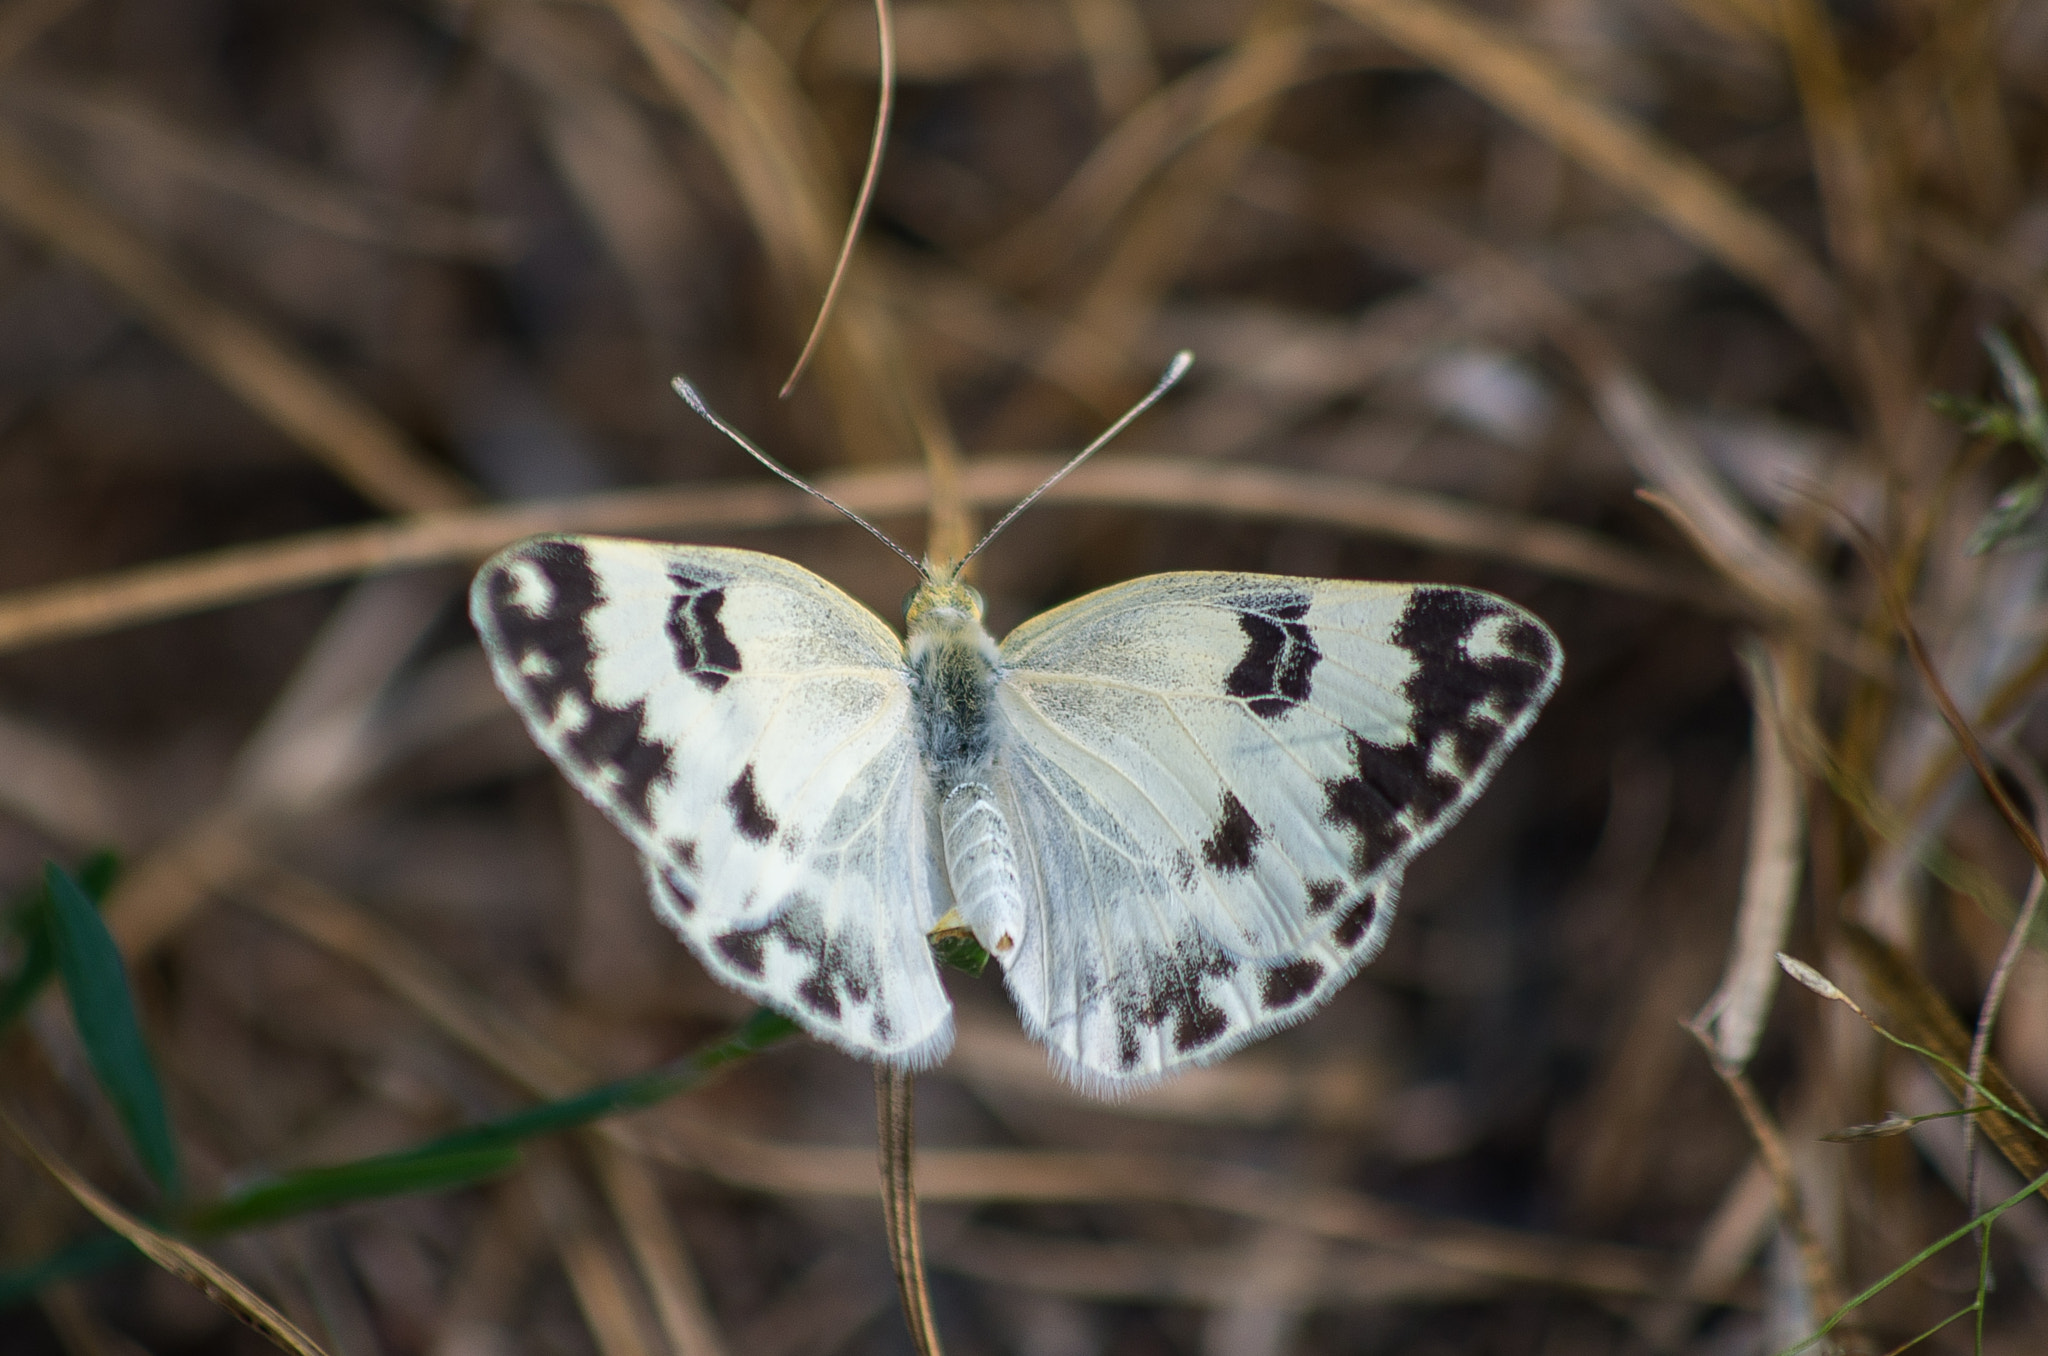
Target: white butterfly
[(1176, 811)]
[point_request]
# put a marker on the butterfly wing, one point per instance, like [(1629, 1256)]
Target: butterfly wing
[(1217, 781), (748, 727)]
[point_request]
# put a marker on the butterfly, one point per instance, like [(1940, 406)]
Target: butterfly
[(1176, 811)]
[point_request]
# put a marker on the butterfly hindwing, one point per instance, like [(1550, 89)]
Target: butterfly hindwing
[(1217, 780), (747, 726)]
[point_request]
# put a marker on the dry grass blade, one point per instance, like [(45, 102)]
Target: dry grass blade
[(604, 1293), (965, 1175), (1668, 458), (1902, 620), (344, 211), (239, 574), (1250, 74), (1693, 200), (896, 1142), (182, 1260), (1212, 1278), (332, 922), (331, 423), (1463, 278), (746, 102), (1092, 354), (658, 1252), (1917, 1012), (1120, 63), (1734, 1017), (1859, 219), (886, 97), (166, 888)]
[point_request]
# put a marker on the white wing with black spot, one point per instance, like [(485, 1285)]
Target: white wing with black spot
[(1216, 781), (748, 726)]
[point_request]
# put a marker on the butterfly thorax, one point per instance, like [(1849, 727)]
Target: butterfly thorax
[(953, 673)]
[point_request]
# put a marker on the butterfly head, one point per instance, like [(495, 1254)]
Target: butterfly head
[(943, 602)]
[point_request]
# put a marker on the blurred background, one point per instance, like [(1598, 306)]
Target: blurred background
[(1624, 309)]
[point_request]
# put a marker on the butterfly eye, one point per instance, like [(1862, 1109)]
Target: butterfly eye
[(980, 603), (910, 598)]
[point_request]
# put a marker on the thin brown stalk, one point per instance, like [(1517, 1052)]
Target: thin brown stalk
[(181, 1259), (896, 1142), (1823, 1284), (2001, 972), (1692, 199), (1902, 620), (333, 424), (475, 1024), (98, 604), (885, 100)]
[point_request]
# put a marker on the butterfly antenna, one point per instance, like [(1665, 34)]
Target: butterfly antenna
[(1175, 370), (704, 411)]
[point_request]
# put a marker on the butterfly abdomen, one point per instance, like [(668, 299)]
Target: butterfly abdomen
[(981, 866)]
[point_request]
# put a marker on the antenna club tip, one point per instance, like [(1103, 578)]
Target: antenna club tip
[(682, 387), (1182, 361)]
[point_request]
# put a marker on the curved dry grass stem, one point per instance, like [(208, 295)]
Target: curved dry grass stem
[(1734, 1017), (883, 106), (101, 603), (181, 1259), (1693, 200), (896, 1141), (329, 421), (1896, 607), (1143, 142), (967, 1175), (2029, 777)]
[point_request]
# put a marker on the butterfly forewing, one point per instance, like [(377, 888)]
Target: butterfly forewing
[(747, 725), (1217, 780)]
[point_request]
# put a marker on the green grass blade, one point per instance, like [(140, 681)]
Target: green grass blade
[(104, 1011), (482, 1150), (1899, 1272), (468, 1155), (408, 1172), (28, 918), (760, 1031)]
